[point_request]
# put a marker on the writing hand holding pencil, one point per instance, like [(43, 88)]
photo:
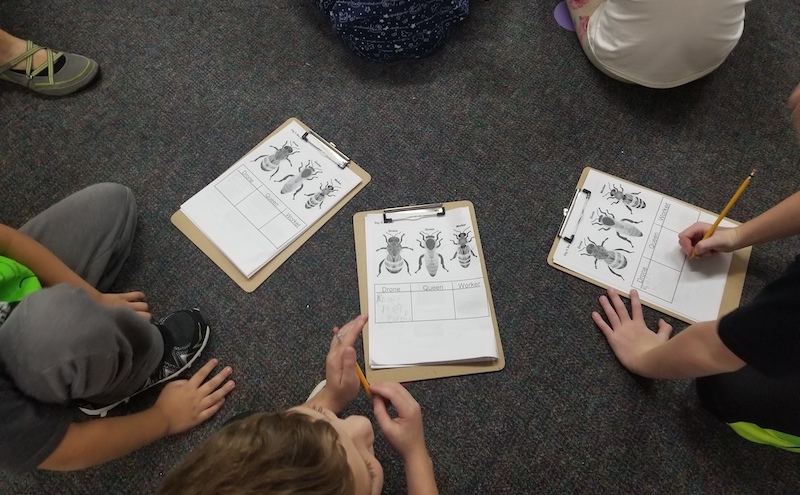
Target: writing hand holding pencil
[(702, 240)]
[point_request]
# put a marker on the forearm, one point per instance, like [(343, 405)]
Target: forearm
[(48, 268), (419, 475), (325, 399), (98, 441), (782, 220), (694, 352)]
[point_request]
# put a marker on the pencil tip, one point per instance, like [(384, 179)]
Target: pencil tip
[(753, 173)]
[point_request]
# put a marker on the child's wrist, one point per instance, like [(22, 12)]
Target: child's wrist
[(418, 454), (326, 400)]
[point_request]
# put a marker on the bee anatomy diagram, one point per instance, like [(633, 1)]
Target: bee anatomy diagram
[(318, 197), (613, 258), (432, 258), (624, 227), (296, 181), (464, 251), (394, 260), (272, 162), (630, 200)]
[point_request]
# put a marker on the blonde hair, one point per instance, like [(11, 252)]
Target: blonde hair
[(276, 453)]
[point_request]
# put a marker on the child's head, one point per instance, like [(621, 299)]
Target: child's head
[(301, 450)]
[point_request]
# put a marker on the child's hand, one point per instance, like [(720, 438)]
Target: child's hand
[(134, 300), (405, 432), (723, 240), (340, 367), (187, 403), (628, 334)]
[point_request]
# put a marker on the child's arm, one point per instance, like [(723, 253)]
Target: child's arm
[(51, 271), (406, 435), (696, 351), (182, 404), (48, 268), (778, 222), (342, 382)]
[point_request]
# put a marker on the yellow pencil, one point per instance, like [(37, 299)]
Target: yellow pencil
[(363, 380), (730, 204)]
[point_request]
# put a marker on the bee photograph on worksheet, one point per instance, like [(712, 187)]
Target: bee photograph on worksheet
[(626, 237), (427, 291), (269, 197)]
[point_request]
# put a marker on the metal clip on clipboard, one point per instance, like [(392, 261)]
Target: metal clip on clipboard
[(571, 219), (412, 212), (326, 148)]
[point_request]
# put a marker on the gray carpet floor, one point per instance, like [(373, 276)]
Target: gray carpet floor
[(505, 115)]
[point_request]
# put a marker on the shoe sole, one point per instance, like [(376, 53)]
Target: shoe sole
[(103, 411)]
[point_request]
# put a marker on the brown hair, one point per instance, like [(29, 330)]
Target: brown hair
[(276, 453)]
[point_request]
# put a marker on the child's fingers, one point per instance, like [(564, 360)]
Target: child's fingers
[(134, 296), (215, 381), (198, 378), (636, 306), (382, 416), (602, 325), (611, 313), (210, 411), (348, 334), (619, 306), (398, 396), (219, 394)]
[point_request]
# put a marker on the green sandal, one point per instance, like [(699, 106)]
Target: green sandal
[(76, 72)]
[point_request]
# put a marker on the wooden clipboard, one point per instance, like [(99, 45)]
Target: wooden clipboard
[(182, 222), (424, 372), (734, 284)]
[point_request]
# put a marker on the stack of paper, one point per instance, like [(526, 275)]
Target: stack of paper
[(427, 292), (269, 197), (621, 235)]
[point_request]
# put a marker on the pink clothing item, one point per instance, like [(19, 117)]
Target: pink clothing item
[(582, 27)]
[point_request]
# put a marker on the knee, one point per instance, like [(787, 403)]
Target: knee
[(114, 197), (50, 321)]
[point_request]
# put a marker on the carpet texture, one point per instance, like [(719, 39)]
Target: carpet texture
[(506, 115)]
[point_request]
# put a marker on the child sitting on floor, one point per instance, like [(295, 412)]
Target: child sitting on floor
[(655, 43), (384, 31), (66, 343), (308, 448)]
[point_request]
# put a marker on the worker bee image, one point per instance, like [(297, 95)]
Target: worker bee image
[(318, 197), (630, 200), (464, 251), (394, 260)]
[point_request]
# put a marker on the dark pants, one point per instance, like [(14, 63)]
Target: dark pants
[(749, 396)]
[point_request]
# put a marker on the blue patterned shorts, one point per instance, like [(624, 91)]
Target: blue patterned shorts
[(385, 30)]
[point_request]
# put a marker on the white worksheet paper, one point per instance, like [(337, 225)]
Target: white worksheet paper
[(268, 198), (627, 238), (426, 292)]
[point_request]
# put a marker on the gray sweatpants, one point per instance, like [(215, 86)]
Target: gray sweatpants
[(60, 345)]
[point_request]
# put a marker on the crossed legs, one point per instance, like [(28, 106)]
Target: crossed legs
[(59, 344)]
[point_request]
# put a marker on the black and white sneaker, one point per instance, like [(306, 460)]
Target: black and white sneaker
[(185, 334)]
